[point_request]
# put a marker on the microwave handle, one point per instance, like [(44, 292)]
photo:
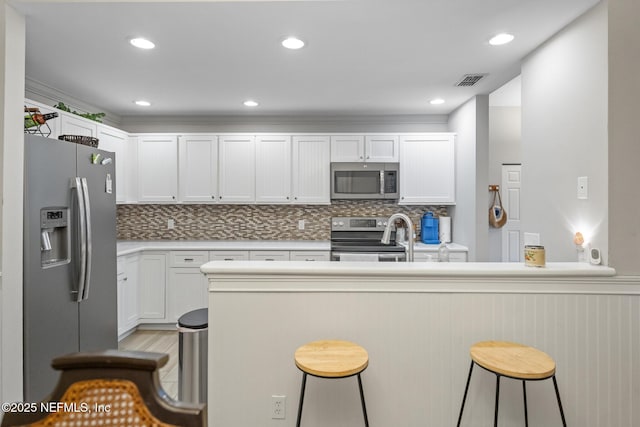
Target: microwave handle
[(381, 182)]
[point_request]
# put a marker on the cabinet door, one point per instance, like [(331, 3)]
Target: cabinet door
[(198, 168), (311, 170), (152, 281), (229, 255), (157, 168), (347, 148), (268, 255), (131, 302), (187, 291), (115, 141), (310, 256), (273, 169), (382, 149), (427, 169), (237, 169), (70, 125)]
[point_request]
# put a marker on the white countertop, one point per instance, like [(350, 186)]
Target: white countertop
[(133, 246), (404, 269)]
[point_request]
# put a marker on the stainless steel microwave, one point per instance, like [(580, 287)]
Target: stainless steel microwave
[(364, 181)]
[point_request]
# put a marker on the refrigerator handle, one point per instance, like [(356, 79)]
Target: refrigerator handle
[(76, 185), (88, 241)]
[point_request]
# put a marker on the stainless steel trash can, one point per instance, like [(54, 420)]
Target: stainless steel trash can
[(192, 358)]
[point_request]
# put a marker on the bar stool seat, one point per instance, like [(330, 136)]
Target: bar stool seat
[(331, 359), (516, 361)]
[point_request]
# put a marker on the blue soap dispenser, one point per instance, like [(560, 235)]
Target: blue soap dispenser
[(429, 230)]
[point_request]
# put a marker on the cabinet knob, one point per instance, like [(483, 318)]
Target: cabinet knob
[(125, 279), (213, 197), (361, 157), (287, 197), (368, 157), (173, 197)]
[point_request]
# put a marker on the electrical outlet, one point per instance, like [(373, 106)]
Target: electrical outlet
[(171, 224), (301, 224), (278, 407)]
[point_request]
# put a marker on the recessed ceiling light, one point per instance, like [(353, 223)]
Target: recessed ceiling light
[(502, 38), (250, 103), (292, 43), (436, 101), (142, 103), (142, 43)]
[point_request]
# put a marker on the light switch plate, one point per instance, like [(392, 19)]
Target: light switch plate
[(583, 187)]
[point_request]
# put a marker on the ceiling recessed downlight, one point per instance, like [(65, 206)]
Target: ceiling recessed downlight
[(142, 103), (502, 38), (142, 43), (250, 103), (436, 101), (292, 43)]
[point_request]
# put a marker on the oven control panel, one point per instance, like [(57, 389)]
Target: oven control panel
[(358, 223)]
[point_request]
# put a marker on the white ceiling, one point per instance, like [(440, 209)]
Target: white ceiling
[(362, 57)]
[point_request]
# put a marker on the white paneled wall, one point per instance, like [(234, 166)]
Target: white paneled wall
[(418, 345)]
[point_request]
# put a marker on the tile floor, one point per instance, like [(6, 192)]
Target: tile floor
[(159, 342)]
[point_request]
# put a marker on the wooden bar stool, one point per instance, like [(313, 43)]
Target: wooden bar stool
[(331, 359), (512, 360)]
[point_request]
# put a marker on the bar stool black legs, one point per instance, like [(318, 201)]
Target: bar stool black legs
[(524, 394), (304, 384)]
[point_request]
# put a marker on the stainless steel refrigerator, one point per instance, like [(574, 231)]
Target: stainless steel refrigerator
[(70, 292)]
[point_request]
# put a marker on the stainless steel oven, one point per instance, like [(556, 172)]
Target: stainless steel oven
[(364, 180), (358, 239)]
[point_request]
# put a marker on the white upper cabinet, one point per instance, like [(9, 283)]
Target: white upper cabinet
[(381, 149), (70, 125), (273, 169), (198, 168), (311, 170), (371, 148), (115, 140), (157, 168), (427, 169), (237, 169), (347, 148)]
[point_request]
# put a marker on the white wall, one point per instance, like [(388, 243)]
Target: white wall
[(624, 138), (12, 53), (505, 146), (249, 123), (564, 136), (470, 214)]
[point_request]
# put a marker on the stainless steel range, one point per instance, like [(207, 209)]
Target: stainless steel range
[(358, 239)]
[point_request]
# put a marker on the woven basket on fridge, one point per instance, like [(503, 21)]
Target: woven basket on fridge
[(80, 139)]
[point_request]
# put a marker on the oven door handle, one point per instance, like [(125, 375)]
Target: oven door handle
[(394, 256)]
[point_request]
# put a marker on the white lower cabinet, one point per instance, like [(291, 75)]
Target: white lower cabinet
[(153, 286), (229, 256), (268, 255), (310, 256), (128, 312), (187, 291)]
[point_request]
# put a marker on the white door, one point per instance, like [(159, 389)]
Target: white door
[(77, 126), (347, 148), (198, 168), (273, 169), (381, 149), (311, 170), (510, 190), (237, 158), (157, 168)]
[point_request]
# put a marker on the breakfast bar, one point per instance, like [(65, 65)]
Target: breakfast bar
[(417, 322)]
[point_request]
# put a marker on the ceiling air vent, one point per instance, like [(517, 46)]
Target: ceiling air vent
[(469, 80)]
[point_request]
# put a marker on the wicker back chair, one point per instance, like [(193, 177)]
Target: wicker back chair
[(111, 388)]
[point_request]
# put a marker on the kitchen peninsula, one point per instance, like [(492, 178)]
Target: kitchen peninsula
[(417, 321)]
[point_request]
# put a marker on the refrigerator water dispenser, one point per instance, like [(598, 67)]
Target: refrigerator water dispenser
[(54, 236)]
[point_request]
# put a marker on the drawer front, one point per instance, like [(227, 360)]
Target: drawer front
[(310, 256), (188, 259), (269, 255), (229, 256), (458, 257)]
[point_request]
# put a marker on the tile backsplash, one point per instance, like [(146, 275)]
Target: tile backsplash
[(250, 222)]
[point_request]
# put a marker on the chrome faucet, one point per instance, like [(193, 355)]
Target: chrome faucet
[(386, 236)]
